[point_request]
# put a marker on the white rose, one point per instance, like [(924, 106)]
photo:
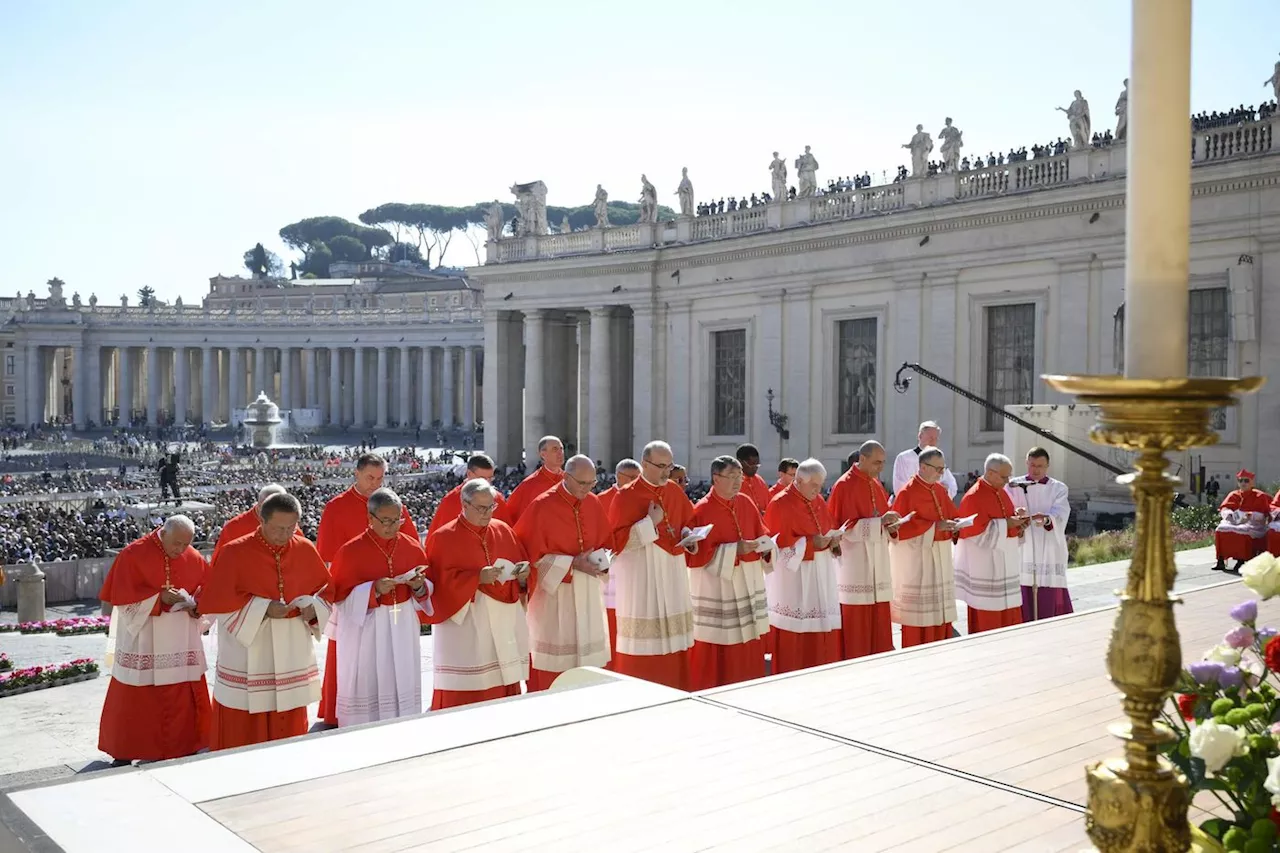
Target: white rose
[(1216, 744), (1224, 655), (1262, 575), (1273, 780)]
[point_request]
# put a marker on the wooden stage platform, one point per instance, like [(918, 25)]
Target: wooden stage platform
[(976, 744)]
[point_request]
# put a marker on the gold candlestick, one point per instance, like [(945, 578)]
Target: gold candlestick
[(1139, 802)]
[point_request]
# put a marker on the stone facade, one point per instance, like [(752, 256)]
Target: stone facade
[(990, 277)]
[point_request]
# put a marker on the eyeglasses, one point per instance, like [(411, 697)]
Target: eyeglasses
[(388, 522), (666, 467), (938, 468), (583, 483), (483, 510)]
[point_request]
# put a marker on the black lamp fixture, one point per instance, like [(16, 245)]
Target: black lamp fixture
[(778, 419)]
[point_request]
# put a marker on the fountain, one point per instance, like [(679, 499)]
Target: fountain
[(261, 419)]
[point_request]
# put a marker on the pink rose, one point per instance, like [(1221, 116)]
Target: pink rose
[(1239, 637)]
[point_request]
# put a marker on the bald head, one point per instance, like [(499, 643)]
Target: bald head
[(580, 466), (579, 476)]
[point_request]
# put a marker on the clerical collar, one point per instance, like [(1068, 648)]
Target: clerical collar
[(917, 450)]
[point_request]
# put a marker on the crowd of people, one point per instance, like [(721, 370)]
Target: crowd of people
[(1233, 116)]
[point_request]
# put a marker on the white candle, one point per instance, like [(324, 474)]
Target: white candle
[(1158, 194)]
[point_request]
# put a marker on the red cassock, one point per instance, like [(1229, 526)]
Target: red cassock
[(610, 612), (160, 721), (931, 504), (755, 488), (1241, 546), (735, 520), (558, 523), (791, 518), (455, 555), (344, 518), (629, 507), (239, 525), (369, 557), (247, 568), (776, 488), (988, 503), (866, 629), (530, 487), (450, 507), (1273, 538)]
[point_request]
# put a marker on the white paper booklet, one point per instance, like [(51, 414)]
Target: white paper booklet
[(967, 521), (766, 543), (409, 575), (188, 602), (601, 558), (694, 534), (904, 519), (303, 601), (839, 531), (508, 570)]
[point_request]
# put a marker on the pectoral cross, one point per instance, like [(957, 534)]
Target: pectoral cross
[(395, 613)]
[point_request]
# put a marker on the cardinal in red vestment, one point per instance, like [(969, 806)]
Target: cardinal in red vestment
[(479, 466), (786, 476), (753, 485), (246, 522), (344, 518), (547, 476), (1242, 532), (157, 704), (481, 640), (626, 471), (567, 627), (266, 674), (988, 574), (730, 611), (924, 598)]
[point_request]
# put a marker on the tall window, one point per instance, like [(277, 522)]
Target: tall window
[(1011, 350), (856, 376), (1208, 338), (729, 375), (10, 366)]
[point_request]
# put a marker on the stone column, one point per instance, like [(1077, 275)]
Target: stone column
[(181, 384), (235, 381), (153, 385), (600, 385), (535, 413), (208, 373), (335, 386), (680, 412), (404, 403), (313, 386), (425, 415), (468, 417), (96, 403), (79, 381), (259, 373), (286, 378), (582, 401), (31, 366), (642, 376), (383, 354), (126, 384), (446, 387), (359, 388)]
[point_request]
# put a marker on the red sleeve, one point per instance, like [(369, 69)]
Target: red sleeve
[(624, 512), (127, 580), (780, 524), (453, 586), (343, 570), (903, 504), (1232, 501), (971, 504), (221, 594)]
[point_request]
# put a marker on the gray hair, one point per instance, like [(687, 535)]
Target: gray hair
[(547, 439), (725, 463), (995, 460), (627, 466), (924, 425), (652, 447), (382, 498), (178, 522), (581, 461), (268, 490), (868, 446), (471, 488), (929, 454), (811, 469)]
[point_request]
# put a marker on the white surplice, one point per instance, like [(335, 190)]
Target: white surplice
[(567, 625), (803, 595), (907, 465), (1044, 552), (924, 585), (379, 658), (862, 569), (482, 646), (729, 601), (148, 651), (267, 664), (1251, 524), (654, 610), (987, 568)]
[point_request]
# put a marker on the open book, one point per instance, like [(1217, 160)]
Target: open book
[(303, 601), (601, 558), (766, 543), (188, 601), (904, 519), (836, 533), (967, 521), (694, 534), (508, 570), (405, 577)]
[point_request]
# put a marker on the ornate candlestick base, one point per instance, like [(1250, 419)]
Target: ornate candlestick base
[(1139, 802)]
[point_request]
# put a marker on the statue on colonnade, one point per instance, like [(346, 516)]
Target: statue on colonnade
[(685, 193), (648, 201), (778, 175), (952, 142), (1122, 110), (920, 146), (807, 172), (602, 207), (1079, 121)]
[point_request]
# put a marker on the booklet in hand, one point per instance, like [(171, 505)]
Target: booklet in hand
[(303, 601), (835, 534), (405, 577), (694, 534), (766, 543), (967, 521), (508, 570), (904, 519), (187, 603)]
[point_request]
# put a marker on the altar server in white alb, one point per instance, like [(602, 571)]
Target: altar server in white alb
[(907, 463), (988, 559), (379, 589), (1044, 542)]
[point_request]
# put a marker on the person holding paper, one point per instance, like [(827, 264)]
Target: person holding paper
[(753, 485), (920, 558), (479, 467), (1241, 534), (265, 590), (246, 522), (907, 463), (1044, 540), (804, 603), (859, 503), (726, 578), (544, 478), (786, 476), (344, 518), (650, 517), (988, 558), (566, 536), (379, 590), (157, 703), (476, 567), (625, 472)]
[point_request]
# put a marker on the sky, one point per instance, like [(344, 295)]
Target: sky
[(150, 143)]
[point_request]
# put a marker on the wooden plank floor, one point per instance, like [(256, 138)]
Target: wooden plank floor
[(687, 776), (1027, 707)]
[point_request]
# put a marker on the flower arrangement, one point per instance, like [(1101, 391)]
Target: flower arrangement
[(5, 663), (62, 627), (1226, 716), (46, 676)]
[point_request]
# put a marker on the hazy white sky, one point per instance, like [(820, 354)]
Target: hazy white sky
[(148, 142)]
